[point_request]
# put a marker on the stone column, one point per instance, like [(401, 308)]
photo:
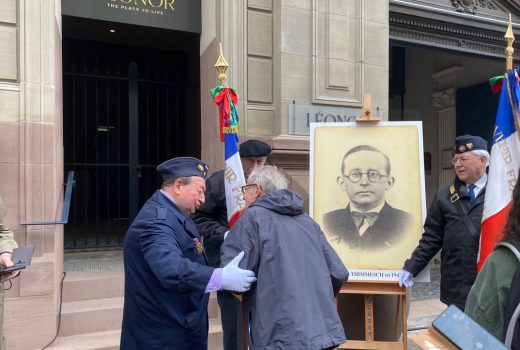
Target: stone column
[(445, 107), (31, 162)]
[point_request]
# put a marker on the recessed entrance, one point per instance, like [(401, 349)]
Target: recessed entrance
[(130, 101)]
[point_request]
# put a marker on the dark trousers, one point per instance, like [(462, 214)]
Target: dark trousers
[(231, 321)]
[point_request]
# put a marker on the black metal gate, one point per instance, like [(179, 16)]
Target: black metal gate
[(125, 110)]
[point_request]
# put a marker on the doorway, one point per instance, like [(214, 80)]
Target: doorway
[(126, 109)]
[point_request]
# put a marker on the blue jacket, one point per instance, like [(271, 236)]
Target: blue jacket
[(166, 274)]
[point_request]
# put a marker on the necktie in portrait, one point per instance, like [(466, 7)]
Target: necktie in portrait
[(363, 220)]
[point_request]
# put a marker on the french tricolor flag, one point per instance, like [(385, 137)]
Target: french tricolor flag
[(234, 179), (503, 167), (226, 99)]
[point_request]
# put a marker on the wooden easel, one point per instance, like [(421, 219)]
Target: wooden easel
[(367, 110), (368, 289)]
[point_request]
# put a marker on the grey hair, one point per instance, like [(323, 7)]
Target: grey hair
[(270, 178), (482, 153)]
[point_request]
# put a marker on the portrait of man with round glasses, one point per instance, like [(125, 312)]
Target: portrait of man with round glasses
[(369, 221)]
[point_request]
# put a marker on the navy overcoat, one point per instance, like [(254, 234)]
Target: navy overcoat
[(166, 274)]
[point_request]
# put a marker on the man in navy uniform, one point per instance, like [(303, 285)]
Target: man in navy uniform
[(167, 277), (453, 224), (212, 222)]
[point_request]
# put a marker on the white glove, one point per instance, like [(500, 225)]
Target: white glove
[(236, 279), (405, 279)]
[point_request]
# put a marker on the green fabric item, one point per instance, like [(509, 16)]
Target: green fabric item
[(216, 90), (487, 299), (496, 83)]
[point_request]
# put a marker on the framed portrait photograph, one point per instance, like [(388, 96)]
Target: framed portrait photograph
[(367, 193)]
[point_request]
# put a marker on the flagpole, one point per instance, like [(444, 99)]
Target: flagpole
[(222, 66), (510, 38)]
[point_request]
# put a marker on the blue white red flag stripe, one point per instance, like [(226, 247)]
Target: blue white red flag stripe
[(503, 167), (234, 179)]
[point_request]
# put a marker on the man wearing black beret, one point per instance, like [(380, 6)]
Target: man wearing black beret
[(211, 220), (167, 277), (453, 224)]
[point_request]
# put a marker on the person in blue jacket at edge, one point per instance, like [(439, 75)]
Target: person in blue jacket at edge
[(167, 277)]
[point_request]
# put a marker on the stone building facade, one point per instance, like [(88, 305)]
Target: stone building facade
[(289, 60)]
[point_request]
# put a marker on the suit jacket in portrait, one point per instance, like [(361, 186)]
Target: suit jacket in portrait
[(388, 230)]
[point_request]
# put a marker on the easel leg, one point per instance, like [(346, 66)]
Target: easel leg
[(245, 324), (403, 300), (397, 314), (369, 317)]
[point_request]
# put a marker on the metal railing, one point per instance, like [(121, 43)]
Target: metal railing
[(66, 205)]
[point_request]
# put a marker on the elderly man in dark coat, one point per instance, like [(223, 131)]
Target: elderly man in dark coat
[(453, 224), (167, 277), (292, 306)]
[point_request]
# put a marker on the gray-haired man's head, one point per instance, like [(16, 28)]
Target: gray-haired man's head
[(264, 180)]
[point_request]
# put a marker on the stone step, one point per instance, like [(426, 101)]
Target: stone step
[(80, 285), (93, 302), (109, 340), (88, 316)]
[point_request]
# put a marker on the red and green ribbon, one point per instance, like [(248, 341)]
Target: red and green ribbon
[(226, 99)]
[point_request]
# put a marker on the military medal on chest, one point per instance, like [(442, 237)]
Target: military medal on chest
[(198, 245)]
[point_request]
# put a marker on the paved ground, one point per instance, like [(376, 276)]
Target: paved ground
[(425, 305)]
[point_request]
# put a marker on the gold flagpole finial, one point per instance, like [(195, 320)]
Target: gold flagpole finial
[(221, 66), (510, 38)]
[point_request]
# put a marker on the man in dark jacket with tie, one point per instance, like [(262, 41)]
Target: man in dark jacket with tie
[(453, 224), (368, 221), (167, 277)]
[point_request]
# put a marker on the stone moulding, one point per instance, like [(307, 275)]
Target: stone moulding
[(444, 99), (447, 35), (471, 6)]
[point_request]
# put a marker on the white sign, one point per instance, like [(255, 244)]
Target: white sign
[(301, 115)]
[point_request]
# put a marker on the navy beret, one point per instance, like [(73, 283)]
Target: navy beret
[(175, 168), (466, 143), (254, 148)]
